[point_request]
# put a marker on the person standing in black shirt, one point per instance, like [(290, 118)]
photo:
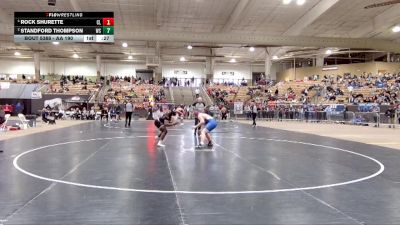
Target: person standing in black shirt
[(391, 114), (254, 112)]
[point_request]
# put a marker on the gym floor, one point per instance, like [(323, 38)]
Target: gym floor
[(97, 173)]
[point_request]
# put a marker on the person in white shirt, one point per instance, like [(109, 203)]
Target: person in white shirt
[(61, 113), (211, 110), (199, 106), (197, 92), (190, 110), (128, 113), (84, 114), (248, 112), (92, 114), (350, 89)]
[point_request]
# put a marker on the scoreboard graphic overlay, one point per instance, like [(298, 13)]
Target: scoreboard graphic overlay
[(90, 27)]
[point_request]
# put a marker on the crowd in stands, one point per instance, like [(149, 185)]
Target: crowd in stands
[(227, 92), (312, 98), (82, 114), (366, 88), (174, 81), (139, 92), (293, 111), (13, 109), (237, 83), (74, 80), (183, 82), (381, 89), (222, 94), (74, 85), (132, 80)]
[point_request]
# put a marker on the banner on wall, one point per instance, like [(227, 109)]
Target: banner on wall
[(238, 108), (228, 73), (36, 95), (184, 72)]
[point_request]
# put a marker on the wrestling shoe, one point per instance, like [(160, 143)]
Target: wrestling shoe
[(199, 146), (160, 144)]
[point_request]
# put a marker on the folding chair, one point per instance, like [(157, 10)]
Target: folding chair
[(3, 126), (24, 121)]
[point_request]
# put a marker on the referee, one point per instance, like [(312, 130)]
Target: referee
[(128, 113), (254, 112)]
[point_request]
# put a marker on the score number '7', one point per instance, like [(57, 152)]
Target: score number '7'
[(108, 30)]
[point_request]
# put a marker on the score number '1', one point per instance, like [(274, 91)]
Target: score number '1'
[(108, 21)]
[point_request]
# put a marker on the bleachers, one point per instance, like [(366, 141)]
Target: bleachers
[(262, 93), (183, 95), (242, 94), (318, 93), (139, 94), (232, 92), (72, 89), (296, 87)]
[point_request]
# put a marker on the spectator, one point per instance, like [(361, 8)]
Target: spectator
[(376, 111), (60, 114), (118, 111), (46, 117), (190, 110), (224, 112), (2, 115), (391, 114), (104, 113), (19, 108), (247, 111), (8, 109), (92, 114), (85, 114)]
